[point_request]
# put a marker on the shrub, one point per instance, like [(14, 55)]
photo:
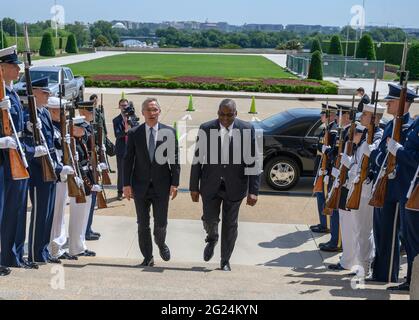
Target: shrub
[(3, 41), (47, 46), (366, 48), (336, 46), (412, 63), (101, 41), (71, 46), (316, 66), (316, 46)]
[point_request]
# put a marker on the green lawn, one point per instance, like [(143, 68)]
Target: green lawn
[(177, 65)]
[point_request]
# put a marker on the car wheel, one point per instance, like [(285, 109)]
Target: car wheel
[(282, 173)]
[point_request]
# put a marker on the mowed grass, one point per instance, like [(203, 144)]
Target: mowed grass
[(177, 65)]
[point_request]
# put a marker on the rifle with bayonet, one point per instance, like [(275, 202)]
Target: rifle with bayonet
[(413, 194), (17, 158), (354, 198), (319, 182), (388, 169), (336, 192), (106, 180), (48, 173)]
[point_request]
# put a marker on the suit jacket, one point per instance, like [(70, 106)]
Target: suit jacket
[(140, 172), (364, 100), (120, 135), (207, 177)]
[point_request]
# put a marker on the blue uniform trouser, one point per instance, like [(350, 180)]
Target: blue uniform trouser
[(387, 243), (320, 207), (411, 236), (43, 198), (13, 227), (1, 197), (92, 210), (335, 229)]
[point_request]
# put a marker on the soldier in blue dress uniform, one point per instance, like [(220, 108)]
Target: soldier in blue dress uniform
[(15, 191), (387, 219)]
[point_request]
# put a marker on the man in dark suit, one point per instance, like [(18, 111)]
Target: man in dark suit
[(120, 128), (223, 175), (365, 99), (151, 177)]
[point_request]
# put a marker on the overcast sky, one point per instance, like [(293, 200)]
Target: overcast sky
[(402, 13)]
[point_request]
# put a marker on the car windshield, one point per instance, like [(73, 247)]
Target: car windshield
[(36, 75), (276, 120)]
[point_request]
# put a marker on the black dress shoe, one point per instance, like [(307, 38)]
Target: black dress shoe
[(328, 247), (225, 266), (120, 197), (402, 287), (29, 265), (336, 267), (96, 234), (165, 253), (54, 260), (4, 271), (87, 253), (319, 229), (92, 237), (209, 250), (67, 256), (148, 263)]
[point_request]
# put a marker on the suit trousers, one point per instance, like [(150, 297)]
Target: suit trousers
[(229, 228), (120, 169), (58, 232), (160, 204)]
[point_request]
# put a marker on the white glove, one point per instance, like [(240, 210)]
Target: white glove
[(40, 151), (5, 104), (335, 173), (322, 173), (76, 157), (103, 148), (67, 170), (97, 188), (79, 181), (38, 125), (8, 143), (393, 147), (325, 149), (326, 180), (366, 149), (67, 139), (103, 166), (347, 160)]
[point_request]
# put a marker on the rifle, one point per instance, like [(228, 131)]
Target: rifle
[(17, 159), (48, 173), (413, 194), (101, 200), (319, 182), (354, 198), (106, 180), (380, 187), (102, 111), (73, 188), (335, 194)]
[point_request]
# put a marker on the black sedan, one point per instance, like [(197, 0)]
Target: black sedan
[(290, 146)]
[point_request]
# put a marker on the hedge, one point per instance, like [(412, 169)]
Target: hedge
[(335, 46), (325, 88), (35, 43), (316, 46), (4, 43), (413, 62), (316, 66), (71, 46), (47, 46), (366, 48)]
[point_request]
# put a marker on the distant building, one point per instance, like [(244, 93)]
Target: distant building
[(263, 27)]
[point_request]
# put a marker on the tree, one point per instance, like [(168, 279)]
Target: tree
[(336, 46), (82, 32), (316, 46), (71, 46), (101, 41), (366, 48), (3, 41), (352, 33), (412, 63), (316, 66), (47, 46), (105, 29)]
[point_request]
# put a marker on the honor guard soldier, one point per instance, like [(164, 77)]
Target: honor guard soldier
[(13, 224), (58, 232), (328, 116), (79, 210), (335, 243), (408, 167), (387, 219)]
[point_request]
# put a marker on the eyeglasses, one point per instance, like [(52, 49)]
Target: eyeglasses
[(123, 105)]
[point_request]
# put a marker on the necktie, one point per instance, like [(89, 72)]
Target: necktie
[(226, 146), (125, 127), (151, 145)]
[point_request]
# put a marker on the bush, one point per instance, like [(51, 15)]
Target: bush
[(316, 66), (366, 48), (336, 46), (230, 46), (71, 46), (412, 63), (3, 41), (47, 46), (316, 46), (101, 41)]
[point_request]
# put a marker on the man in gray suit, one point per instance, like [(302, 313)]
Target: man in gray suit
[(151, 176), (225, 170)]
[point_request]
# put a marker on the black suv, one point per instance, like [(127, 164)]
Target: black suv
[(290, 146)]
